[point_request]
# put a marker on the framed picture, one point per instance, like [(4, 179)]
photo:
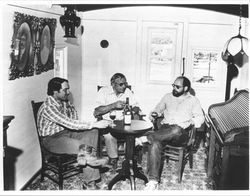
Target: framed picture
[(163, 50), (46, 42), (22, 55), (60, 65), (205, 67)]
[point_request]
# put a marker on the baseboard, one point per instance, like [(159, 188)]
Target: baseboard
[(31, 180)]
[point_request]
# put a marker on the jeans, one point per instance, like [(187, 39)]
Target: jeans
[(68, 141), (167, 134)]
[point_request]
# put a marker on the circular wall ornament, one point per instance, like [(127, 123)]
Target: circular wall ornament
[(104, 43)]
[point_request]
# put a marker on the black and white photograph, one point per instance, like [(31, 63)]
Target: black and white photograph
[(139, 97)]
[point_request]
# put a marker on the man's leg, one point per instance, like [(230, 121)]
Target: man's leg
[(69, 142), (112, 150), (157, 139), (111, 145)]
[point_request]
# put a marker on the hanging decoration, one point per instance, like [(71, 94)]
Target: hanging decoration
[(26, 55), (70, 21), (235, 54)]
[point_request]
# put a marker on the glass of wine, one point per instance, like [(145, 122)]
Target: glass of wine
[(112, 116)]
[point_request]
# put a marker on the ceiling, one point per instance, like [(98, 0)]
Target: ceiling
[(233, 9)]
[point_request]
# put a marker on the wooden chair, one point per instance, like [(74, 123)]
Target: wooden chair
[(56, 167), (179, 154)]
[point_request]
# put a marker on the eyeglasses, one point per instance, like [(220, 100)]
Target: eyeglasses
[(121, 84), (177, 86)]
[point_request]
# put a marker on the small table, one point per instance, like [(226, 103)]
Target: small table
[(129, 169)]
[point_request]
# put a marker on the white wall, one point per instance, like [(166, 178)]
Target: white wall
[(124, 29), (18, 93)]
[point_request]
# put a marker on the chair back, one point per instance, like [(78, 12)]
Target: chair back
[(35, 108)]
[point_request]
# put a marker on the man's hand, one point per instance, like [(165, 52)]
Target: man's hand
[(119, 104), (102, 124), (152, 116)]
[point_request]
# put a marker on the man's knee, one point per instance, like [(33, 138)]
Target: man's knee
[(109, 137), (176, 130)]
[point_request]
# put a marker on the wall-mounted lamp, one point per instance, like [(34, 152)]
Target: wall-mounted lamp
[(235, 55), (70, 21)]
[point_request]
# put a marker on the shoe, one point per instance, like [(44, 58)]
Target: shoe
[(95, 162), (113, 162), (90, 186), (151, 185), (86, 154)]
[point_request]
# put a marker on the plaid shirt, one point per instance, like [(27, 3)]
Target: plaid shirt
[(54, 116)]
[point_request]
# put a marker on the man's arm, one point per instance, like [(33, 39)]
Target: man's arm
[(159, 108), (101, 110), (53, 114)]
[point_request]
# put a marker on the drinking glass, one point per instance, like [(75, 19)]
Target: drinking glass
[(112, 116)]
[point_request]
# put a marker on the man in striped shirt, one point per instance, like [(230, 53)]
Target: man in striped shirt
[(63, 132)]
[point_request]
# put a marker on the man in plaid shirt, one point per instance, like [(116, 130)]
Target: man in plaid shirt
[(63, 132)]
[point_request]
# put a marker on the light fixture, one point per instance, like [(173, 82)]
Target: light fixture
[(236, 47), (70, 21), (235, 54)]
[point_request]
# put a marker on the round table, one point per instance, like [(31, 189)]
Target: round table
[(130, 169)]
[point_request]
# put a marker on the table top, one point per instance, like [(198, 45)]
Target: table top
[(137, 127)]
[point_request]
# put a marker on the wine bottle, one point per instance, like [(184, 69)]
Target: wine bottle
[(127, 113)]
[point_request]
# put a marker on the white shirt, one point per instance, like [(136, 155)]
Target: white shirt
[(180, 110), (106, 96)]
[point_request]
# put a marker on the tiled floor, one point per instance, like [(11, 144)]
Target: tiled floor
[(193, 179)]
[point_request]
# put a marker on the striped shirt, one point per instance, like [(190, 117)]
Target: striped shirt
[(54, 116), (180, 110)]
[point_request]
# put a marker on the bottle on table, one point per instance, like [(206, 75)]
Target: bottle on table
[(127, 113)]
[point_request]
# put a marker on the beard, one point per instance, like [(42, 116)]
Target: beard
[(177, 94)]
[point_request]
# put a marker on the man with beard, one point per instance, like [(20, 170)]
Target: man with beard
[(180, 110)]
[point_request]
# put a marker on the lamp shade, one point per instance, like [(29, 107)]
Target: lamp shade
[(70, 21), (237, 48)]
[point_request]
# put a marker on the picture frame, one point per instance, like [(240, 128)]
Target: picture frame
[(205, 63), (22, 46), (46, 44), (161, 50)]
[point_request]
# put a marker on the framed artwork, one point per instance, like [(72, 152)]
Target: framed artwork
[(205, 67), (163, 50), (46, 42), (22, 55), (60, 65), (32, 47)]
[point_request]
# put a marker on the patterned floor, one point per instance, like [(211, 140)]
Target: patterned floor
[(193, 179)]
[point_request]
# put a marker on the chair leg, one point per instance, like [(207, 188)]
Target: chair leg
[(161, 167), (191, 159), (99, 145), (60, 175), (180, 166), (42, 171)]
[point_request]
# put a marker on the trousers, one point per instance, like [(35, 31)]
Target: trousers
[(68, 141), (167, 134)]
